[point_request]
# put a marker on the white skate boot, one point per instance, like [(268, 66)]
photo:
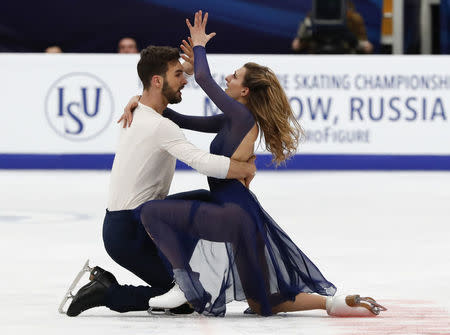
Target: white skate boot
[(353, 305), (171, 299)]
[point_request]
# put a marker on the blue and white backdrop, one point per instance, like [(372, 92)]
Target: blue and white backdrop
[(376, 112)]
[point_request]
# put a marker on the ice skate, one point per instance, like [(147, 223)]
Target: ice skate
[(93, 293), (69, 294), (90, 295), (353, 305), (172, 299)]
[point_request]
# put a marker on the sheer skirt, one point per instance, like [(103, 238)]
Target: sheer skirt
[(228, 249)]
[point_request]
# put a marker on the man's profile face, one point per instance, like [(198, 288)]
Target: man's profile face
[(127, 46), (174, 82)]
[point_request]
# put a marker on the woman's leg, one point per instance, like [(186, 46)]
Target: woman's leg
[(200, 195), (302, 302), (341, 305), (170, 222)]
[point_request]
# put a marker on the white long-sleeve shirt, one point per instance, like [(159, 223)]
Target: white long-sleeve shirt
[(145, 160)]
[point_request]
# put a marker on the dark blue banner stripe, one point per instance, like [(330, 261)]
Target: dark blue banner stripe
[(263, 162), (445, 26)]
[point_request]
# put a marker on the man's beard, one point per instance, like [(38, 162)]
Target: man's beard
[(170, 94)]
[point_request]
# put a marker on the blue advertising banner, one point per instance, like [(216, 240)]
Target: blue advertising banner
[(358, 113), (242, 26)]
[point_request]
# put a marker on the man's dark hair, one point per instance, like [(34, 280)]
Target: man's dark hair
[(154, 61)]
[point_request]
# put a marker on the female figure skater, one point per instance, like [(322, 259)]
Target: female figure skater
[(241, 254)]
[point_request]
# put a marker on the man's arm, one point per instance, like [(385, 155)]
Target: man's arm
[(171, 139), (241, 170)]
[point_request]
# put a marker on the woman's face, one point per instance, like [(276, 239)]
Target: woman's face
[(234, 84)]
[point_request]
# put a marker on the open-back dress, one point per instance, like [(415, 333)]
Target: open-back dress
[(227, 247)]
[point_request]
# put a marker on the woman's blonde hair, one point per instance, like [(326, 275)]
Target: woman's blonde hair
[(272, 111)]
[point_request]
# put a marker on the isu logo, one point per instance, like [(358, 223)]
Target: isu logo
[(79, 106)]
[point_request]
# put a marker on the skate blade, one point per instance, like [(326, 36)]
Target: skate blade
[(159, 311), (69, 294), (366, 302)]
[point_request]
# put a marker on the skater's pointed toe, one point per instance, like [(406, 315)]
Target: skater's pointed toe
[(353, 306)]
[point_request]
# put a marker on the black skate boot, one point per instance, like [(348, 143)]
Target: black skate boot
[(93, 293)]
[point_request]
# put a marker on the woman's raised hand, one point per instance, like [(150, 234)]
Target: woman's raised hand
[(198, 30), (188, 56)]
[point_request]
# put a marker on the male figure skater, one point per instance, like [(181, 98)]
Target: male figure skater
[(143, 169)]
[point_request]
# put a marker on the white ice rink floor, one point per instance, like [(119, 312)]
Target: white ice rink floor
[(385, 235)]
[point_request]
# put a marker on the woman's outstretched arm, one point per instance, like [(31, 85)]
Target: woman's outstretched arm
[(230, 107), (206, 124)]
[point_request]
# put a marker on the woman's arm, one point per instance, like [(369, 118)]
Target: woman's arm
[(230, 107), (205, 124)]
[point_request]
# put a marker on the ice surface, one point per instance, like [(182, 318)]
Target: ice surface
[(381, 234)]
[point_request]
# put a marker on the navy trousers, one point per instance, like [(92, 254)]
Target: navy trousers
[(129, 245)]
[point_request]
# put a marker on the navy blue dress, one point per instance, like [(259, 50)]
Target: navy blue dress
[(240, 252)]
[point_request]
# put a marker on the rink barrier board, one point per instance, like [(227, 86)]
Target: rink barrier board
[(263, 162), (357, 112)]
